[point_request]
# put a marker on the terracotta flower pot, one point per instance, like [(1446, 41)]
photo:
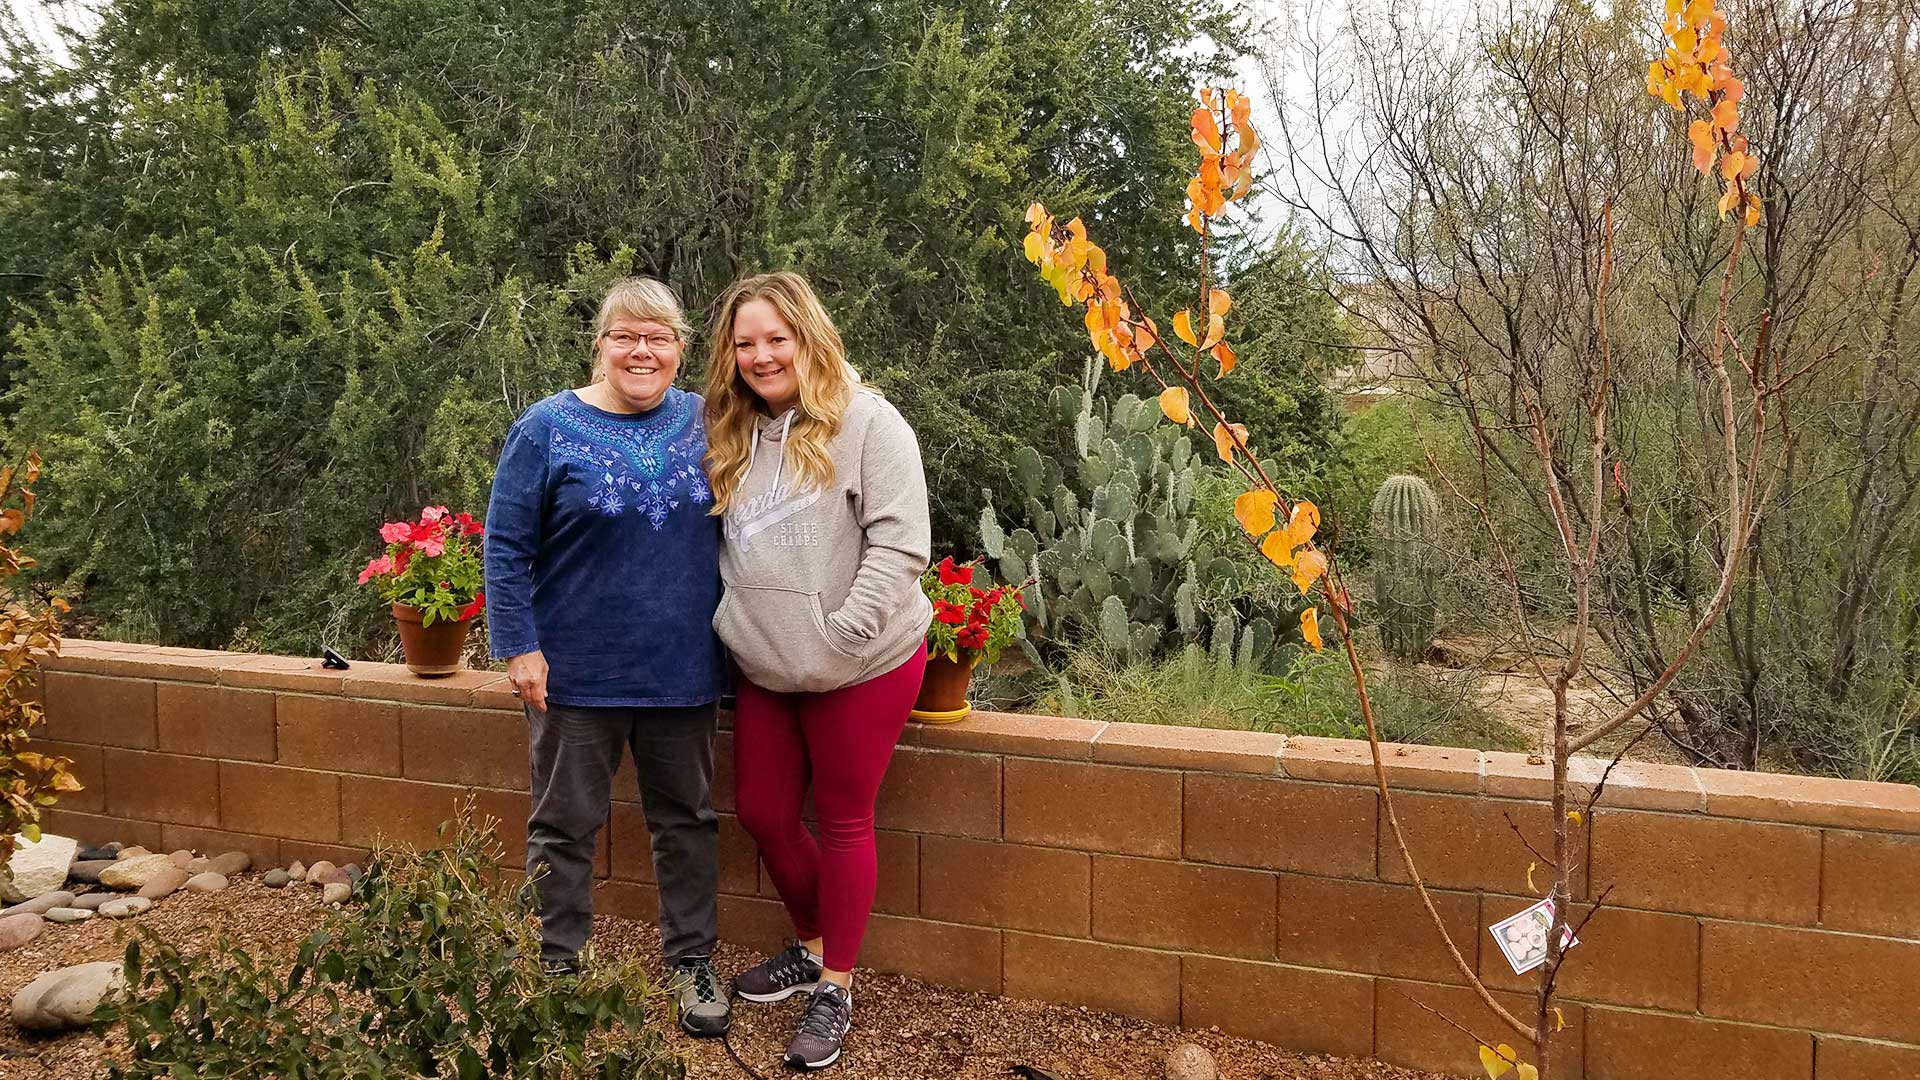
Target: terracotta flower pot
[(943, 692), (431, 651)]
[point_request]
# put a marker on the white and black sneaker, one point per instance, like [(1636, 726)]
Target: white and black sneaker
[(817, 1044), (792, 971)]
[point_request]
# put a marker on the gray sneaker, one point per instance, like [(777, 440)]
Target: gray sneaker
[(817, 1044), (703, 1012), (788, 972)]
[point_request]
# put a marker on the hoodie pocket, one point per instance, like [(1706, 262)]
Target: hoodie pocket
[(780, 640)]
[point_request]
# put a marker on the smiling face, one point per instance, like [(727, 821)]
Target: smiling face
[(638, 359), (767, 354)]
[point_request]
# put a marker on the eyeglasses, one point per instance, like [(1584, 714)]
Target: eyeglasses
[(626, 342)]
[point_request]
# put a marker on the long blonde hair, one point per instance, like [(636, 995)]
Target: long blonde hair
[(820, 366)]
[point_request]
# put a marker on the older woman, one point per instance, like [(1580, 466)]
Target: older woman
[(602, 581), (819, 482)]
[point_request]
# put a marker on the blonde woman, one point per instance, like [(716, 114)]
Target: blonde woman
[(818, 482), (602, 579)]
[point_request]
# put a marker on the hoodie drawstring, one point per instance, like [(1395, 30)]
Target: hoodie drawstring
[(753, 450)]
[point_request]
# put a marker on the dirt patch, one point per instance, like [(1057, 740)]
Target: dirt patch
[(904, 1029)]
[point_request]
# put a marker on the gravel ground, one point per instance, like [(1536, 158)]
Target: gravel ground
[(904, 1029)]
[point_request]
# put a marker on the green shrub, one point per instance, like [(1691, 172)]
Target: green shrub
[(433, 971)]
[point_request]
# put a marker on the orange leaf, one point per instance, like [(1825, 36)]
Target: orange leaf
[(1183, 327), (1302, 522), (1195, 221), (1254, 511), (1206, 132), (1726, 116), (1728, 200), (1310, 627), (1224, 354), (1731, 165), (1307, 568), (1277, 550), (1216, 329), (1218, 302), (1753, 210), (1206, 96), (1226, 437), (1700, 134), (1173, 402)]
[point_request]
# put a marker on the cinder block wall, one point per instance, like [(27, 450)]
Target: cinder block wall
[(1755, 927)]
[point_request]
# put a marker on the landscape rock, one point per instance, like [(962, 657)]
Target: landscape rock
[(354, 873), (94, 854), (133, 852), (88, 870), (199, 865), (92, 901), (164, 883), (297, 871), (1191, 1061), (112, 846), (68, 914), (36, 868), (17, 930), (134, 873), (209, 882), (336, 876), (65, 999), (125, 907), (276, 879), (231, 863), (181, 858), (331, 893), (318, 871), (40, 905)]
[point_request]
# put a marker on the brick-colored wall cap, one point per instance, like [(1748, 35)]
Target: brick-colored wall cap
[(1799, 800)]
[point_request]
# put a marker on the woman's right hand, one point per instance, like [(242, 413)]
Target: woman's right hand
[(528, 674)]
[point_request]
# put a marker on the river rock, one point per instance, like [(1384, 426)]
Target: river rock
[(338, 875), (333, 892), (65, 999), (40, 905), (164, 884), (318, 871), (113, 846), (209, 882), (134, 873), (17, 930), (99, 854), (1191, 1061), (92, 901), (198, 865), (133, 852), (68, 914), (354, 873), (297, 871), (181, 858), (125, 907), (231, 863), (36, 869), (88, 870)]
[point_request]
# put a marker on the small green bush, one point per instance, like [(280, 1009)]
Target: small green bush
[(433, 971)]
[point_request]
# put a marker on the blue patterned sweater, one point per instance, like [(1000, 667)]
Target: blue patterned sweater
[(600, 553)]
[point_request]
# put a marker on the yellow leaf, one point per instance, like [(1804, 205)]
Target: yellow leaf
[(1302, 522), (1034, 246), (1307, 568), (1526, 1072), (1277, 550), (1173, 402), (1559, 1019), (1198, 223), (1224, 354), (1496, 1062), (1310, 627), (1183, 327), (1531, 867), (1753, 211), (1575, 816), (1216, 329), (1226, 436), (1218, 302), (1254, 511)]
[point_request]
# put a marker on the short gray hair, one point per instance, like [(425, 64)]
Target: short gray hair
[(644, 299)]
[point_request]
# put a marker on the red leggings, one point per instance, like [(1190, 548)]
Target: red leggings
[(840, 741)]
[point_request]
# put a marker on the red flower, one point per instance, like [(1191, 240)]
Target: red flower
[(479, 604), (468, 526), (973, 637), (951, 614), (950, 575), (401, 558)]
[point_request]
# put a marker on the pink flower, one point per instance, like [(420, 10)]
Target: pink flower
[(381, 565), (436, 545), (433, 513), (394, 532)]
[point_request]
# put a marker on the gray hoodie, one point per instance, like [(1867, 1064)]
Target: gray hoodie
[(822, 587)]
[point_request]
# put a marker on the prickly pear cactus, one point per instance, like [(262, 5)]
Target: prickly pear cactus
[(1406, 524), (1112, 539)]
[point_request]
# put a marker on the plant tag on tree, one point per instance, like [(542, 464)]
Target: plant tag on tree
[(1522, 937)]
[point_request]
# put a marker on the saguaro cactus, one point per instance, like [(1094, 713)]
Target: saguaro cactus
[(1406, 522)]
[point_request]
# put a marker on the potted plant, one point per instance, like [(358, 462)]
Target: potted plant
[(969, 623), (432, 575)]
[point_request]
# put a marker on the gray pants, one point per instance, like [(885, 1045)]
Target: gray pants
[(575, 752)]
